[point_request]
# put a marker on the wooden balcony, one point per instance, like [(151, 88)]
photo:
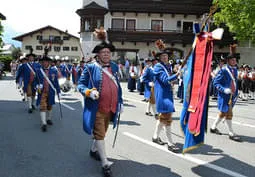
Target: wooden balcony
[(149, 35), (54, 41), (168, 36)]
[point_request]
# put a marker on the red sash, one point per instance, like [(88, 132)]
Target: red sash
[(201, 75)]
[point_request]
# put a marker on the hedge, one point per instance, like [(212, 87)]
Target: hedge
[(6, 59)]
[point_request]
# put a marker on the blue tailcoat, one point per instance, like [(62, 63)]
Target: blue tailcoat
[(148, 76), (19, 75), (25, 72), (79, 71), (53, 77), (222, 81), (163, 89), (63, 70), (91, 106)]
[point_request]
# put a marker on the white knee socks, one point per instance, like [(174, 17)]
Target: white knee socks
[(158, 129), (100, 145), (169, 135), (43, 117)]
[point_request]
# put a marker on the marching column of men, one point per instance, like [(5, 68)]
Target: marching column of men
[(41, 79), (98, 82)]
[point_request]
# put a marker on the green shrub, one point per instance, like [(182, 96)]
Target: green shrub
[(6, 59)]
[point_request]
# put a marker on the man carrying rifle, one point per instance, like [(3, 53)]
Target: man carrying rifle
[(27, 72), (226, 84), (101, 89), (47, 86)]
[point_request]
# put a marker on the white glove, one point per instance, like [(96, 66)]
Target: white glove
[(39, 86), (227, 90), (121, 108), (94, 94), (151, 84)]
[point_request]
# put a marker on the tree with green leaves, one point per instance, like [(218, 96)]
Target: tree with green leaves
[(16, 53), (239, 16), (1, 33)]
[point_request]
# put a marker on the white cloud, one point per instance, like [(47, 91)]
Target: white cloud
[(27, 15)]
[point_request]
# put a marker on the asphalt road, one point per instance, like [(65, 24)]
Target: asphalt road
[(62, 151)]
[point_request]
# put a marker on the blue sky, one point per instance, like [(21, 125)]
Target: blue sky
[(27, 15)]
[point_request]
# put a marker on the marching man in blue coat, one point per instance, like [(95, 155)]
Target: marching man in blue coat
[(28, 72), (102, 92), (148, 79), (226, 84), (164, 97), (47, 87)]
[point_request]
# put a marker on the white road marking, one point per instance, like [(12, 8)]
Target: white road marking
[(210, 117), (186, 157), (69, 107), (65, 105)]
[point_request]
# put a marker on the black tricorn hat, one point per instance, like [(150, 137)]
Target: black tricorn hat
[(22, 58), (103, 45), (230, 56), (31, 53), (154, 58), (45, 55), (165, 51)]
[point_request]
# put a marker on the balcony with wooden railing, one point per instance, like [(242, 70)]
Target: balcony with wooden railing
[(51, 41), (150, 35)]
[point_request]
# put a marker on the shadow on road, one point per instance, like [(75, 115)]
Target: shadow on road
[(225, 161), (130, 123), (236, 166), (129, 105), (129, 168)]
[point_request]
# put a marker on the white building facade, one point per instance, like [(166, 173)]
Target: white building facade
[(62, 44), (134, 26)]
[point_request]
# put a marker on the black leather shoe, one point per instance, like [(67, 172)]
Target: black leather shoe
[(235, 138), (107, 171), (95, 155), (30, 111), (49, 122), (215, 131), (158, 141), (148, 114), (44, 128), (173, 148)]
